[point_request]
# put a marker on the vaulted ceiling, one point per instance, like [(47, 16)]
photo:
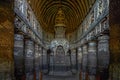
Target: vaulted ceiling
[(75, 11)]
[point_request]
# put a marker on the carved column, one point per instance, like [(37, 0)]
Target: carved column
[(44, 61), (29, 59), (80, 61), (92, 60), (73, 60), (19, 55), (103, 56), (37, 63), (40, 60), (84, 61), (48, 59), (40, 53), (79, 58)]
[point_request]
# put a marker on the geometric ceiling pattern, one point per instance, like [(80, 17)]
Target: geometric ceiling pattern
[(74, 10)]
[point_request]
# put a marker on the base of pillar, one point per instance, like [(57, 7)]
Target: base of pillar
[(84, 76), (91, 77), (29, 76), (114, 71), (41, 75)]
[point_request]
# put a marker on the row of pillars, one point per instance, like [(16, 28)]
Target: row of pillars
[(26, 58), (95, 59)]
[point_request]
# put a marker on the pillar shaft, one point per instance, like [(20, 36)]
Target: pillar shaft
[(79, 58), (80, 62), (37, 63), (19, 56), (44, 61), (103, 56), (73, 60), (92, 60), (40, 53), (84, 62), (29, 59)]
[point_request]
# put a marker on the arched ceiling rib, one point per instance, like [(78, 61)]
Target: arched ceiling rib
[(75, 11)]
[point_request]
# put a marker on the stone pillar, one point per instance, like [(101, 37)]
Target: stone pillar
[(73, 60), (37, 63), (40, 53), (114, 20), (44, 61), (48, 59), (19, 56), (80, 61), (84, 62), (79, 58), (103, 56), (29, 59), (92, 60)]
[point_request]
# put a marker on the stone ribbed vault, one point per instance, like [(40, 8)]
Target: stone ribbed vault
[(75, 11)]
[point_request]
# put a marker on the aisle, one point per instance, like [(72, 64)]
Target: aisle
[(61, 77)]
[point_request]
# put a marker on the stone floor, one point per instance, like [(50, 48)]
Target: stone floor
[(61, 76)]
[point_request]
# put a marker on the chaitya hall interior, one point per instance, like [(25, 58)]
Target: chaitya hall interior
[(59, 40)]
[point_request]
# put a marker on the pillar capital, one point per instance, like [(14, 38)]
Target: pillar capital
[(92, 43), (80, 49), (83, 42), (27, 38), (18, 37), (85, 49), (103, 37), (93, 38)]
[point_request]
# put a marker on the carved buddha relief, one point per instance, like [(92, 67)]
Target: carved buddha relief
[(60, 55)]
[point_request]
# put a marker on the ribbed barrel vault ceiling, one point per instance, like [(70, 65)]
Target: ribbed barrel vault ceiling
[(75, 11)]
